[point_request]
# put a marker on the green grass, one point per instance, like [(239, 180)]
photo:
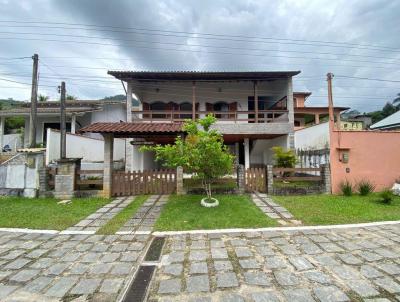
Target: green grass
[(45, 213), (337, 209), (122, 217), (234, 211)]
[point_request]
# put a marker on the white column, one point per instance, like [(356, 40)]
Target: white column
[(108, 164), (73, 124), (128, 146), (246, 153), (2, 122), (290, 108)]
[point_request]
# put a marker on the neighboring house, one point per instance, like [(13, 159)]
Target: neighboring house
[(305, 116), (250, 128), (392, 122), (79, 113)]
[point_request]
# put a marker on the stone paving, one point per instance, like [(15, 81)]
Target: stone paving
[(51, 267), (273, 210), (146, 216), (352, 264), (95, 221)]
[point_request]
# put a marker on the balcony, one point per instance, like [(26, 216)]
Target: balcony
[(236, 116)]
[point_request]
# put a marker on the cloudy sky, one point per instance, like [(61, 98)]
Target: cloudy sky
[(79, 40)]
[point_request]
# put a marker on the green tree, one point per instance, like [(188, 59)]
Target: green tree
[(71, 98), (201, 153), (43, 98)]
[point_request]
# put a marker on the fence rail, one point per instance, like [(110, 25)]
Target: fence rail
[(297, 174), (146, 182)]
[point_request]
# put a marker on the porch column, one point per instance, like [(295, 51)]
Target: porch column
[(193, 100), (316, 118), (128, 146), (2, 122), (256, 101), (73, 123), (290, 108), (246, 153), (108, 164)]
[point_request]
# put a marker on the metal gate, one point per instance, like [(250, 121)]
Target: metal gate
[(144, 182)]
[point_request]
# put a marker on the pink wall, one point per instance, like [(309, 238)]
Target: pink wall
[(373, 155)]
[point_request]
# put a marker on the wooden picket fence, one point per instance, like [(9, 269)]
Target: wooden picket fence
[(146, 182), (256, 179)]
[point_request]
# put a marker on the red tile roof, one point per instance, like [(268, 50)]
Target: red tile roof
[(132, 128)]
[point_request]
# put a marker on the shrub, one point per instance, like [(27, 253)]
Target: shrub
[(346, 188), (386, 196), (284, 159), (364, 187)]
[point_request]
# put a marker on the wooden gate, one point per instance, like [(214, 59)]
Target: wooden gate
[(146, 182), (256, 179)]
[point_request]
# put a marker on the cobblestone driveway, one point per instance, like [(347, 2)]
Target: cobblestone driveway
[(47, 267), (354, 264)]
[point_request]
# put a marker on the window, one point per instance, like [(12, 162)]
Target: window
[(221, 107), (158, 106), (187, 108)]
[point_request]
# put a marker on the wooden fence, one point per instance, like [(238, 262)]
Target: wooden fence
[(298, 174), (146, 182), (256, 179)]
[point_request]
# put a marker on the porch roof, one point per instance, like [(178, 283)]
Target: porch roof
[(200, 75), (124, 129)]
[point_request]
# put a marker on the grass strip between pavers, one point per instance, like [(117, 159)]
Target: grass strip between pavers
[(122, 217)]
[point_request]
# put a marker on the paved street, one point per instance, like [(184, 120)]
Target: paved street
[(43, 267), (355, 264)]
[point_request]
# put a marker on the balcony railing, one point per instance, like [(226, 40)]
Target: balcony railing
[(264, 116)]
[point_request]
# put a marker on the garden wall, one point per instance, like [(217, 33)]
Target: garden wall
[(371, 155), (78, 146)]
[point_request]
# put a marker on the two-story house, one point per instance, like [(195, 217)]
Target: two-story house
[(255, 110)]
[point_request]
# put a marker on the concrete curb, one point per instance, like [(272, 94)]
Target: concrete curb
[(278, 229), (28, 231)]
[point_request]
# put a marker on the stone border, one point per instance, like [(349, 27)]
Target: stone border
[(275, 229), (168, 233)]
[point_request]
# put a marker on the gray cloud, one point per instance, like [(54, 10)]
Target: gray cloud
[(358, 22)]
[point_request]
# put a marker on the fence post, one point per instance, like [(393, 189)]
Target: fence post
[(270, 179), (241, 179), (43, 180), (326, 178), (179, 181)]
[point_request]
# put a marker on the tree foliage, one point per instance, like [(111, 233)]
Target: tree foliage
[(284, 158), (202, 152)]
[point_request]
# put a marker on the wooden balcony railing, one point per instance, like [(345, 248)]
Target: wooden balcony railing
[(264, 116)]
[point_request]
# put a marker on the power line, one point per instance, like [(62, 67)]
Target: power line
[(194, 45), (369, 79), (199, 34), (192, 50)]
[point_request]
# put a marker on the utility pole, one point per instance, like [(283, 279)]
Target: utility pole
[(63, 133), (33, 114), (330, 102)]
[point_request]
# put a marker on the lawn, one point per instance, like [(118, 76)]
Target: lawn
[(337, 209), (122, 217), (234, 211), (45, 213)]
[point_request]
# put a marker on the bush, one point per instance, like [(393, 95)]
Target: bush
[(284, 159), (364, 187), (346, 188), (386, 196)]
